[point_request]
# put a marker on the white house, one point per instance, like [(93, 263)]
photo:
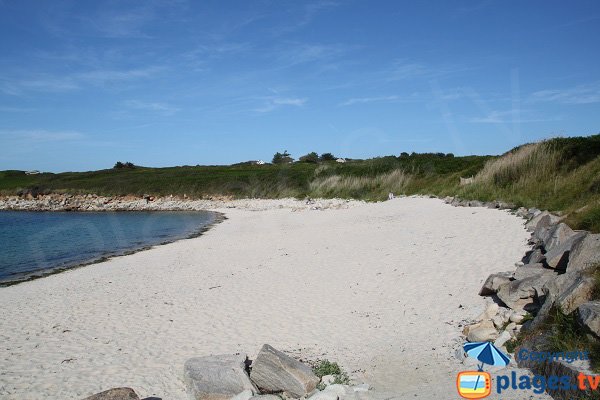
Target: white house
[(260, 162), (342, 160), (35, 172)]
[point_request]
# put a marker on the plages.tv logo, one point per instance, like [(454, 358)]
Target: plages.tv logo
[(478, 384)]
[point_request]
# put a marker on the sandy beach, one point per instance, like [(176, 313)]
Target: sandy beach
[(380, 288)]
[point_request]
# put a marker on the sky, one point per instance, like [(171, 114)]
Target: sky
[(84, 83)]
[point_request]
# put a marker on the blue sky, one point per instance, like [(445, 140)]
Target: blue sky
[(162, 83)]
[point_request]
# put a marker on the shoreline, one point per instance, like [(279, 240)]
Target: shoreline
[(94, 203), (42, 273)]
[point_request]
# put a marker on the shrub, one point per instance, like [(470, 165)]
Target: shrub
[(327, 157), (310, 158), (282, 158)]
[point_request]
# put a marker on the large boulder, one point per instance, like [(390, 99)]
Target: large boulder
[(575, 289), (494, 282), (589, 317), (274, 371), (558, 256), (557, 235), (529, 270), (219, 377), (483, 331), (567, 292), (543, 219), (534, 256), (524, 294), (585, 254), (115, 394)]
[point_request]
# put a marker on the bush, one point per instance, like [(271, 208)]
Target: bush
[(327, 157), (126, 165), (282, 158), (310, 158)]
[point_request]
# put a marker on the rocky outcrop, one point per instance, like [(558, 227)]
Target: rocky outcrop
[(115, 394), (219, 377), (274, 371)]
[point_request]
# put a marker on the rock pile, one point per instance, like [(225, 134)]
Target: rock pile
[(273, 375), (555, 273)]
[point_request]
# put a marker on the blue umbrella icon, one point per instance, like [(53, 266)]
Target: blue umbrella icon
[(487, 353)]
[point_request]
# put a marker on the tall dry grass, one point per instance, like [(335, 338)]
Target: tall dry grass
[(378, 186), (529, 163)]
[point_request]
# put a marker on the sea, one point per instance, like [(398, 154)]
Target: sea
[(34, 244)]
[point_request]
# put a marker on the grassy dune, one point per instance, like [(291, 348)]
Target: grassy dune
[(561, 174)]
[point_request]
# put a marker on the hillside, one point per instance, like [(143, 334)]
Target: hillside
[(561, 174)]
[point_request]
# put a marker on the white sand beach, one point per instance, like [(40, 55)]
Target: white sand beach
[(380, 288)]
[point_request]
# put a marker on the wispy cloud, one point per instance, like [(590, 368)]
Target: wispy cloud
[(65, 83), (41, 135), (306, 15), (272, 103), (162, 108), (510, 116), (363, 100), (581, 94)]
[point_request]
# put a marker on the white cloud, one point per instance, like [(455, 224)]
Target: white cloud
[(362, 100), (509, 116), (58, 84), (272, 103), (581, 94), (163, 108), (41, 135)]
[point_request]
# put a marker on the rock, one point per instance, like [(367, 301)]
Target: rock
[(490, 311), (340, 390), (219, 377), (517, 317), (522, 294), (522, 212), (558, 257), (494, 282), (585, 254), (324, 395), (544, 219), (115, 394), (502, 339), (574, 294), (245, 395), (534, 256), (328, 380), (483, 331), (265, 397), (589, 317), (274, 371), (475, 203), (558, 235), (529, 270)]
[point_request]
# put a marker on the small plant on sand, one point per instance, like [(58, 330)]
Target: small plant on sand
[(326, 367)]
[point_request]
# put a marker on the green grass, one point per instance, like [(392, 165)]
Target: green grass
[(561, 175), (326, 367)]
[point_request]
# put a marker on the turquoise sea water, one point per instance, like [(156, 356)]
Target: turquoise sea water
[(37, 243)]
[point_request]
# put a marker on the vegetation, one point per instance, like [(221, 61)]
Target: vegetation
[(282, 158), (120, 165), (310, 158), (561, 175), (326, 367)]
